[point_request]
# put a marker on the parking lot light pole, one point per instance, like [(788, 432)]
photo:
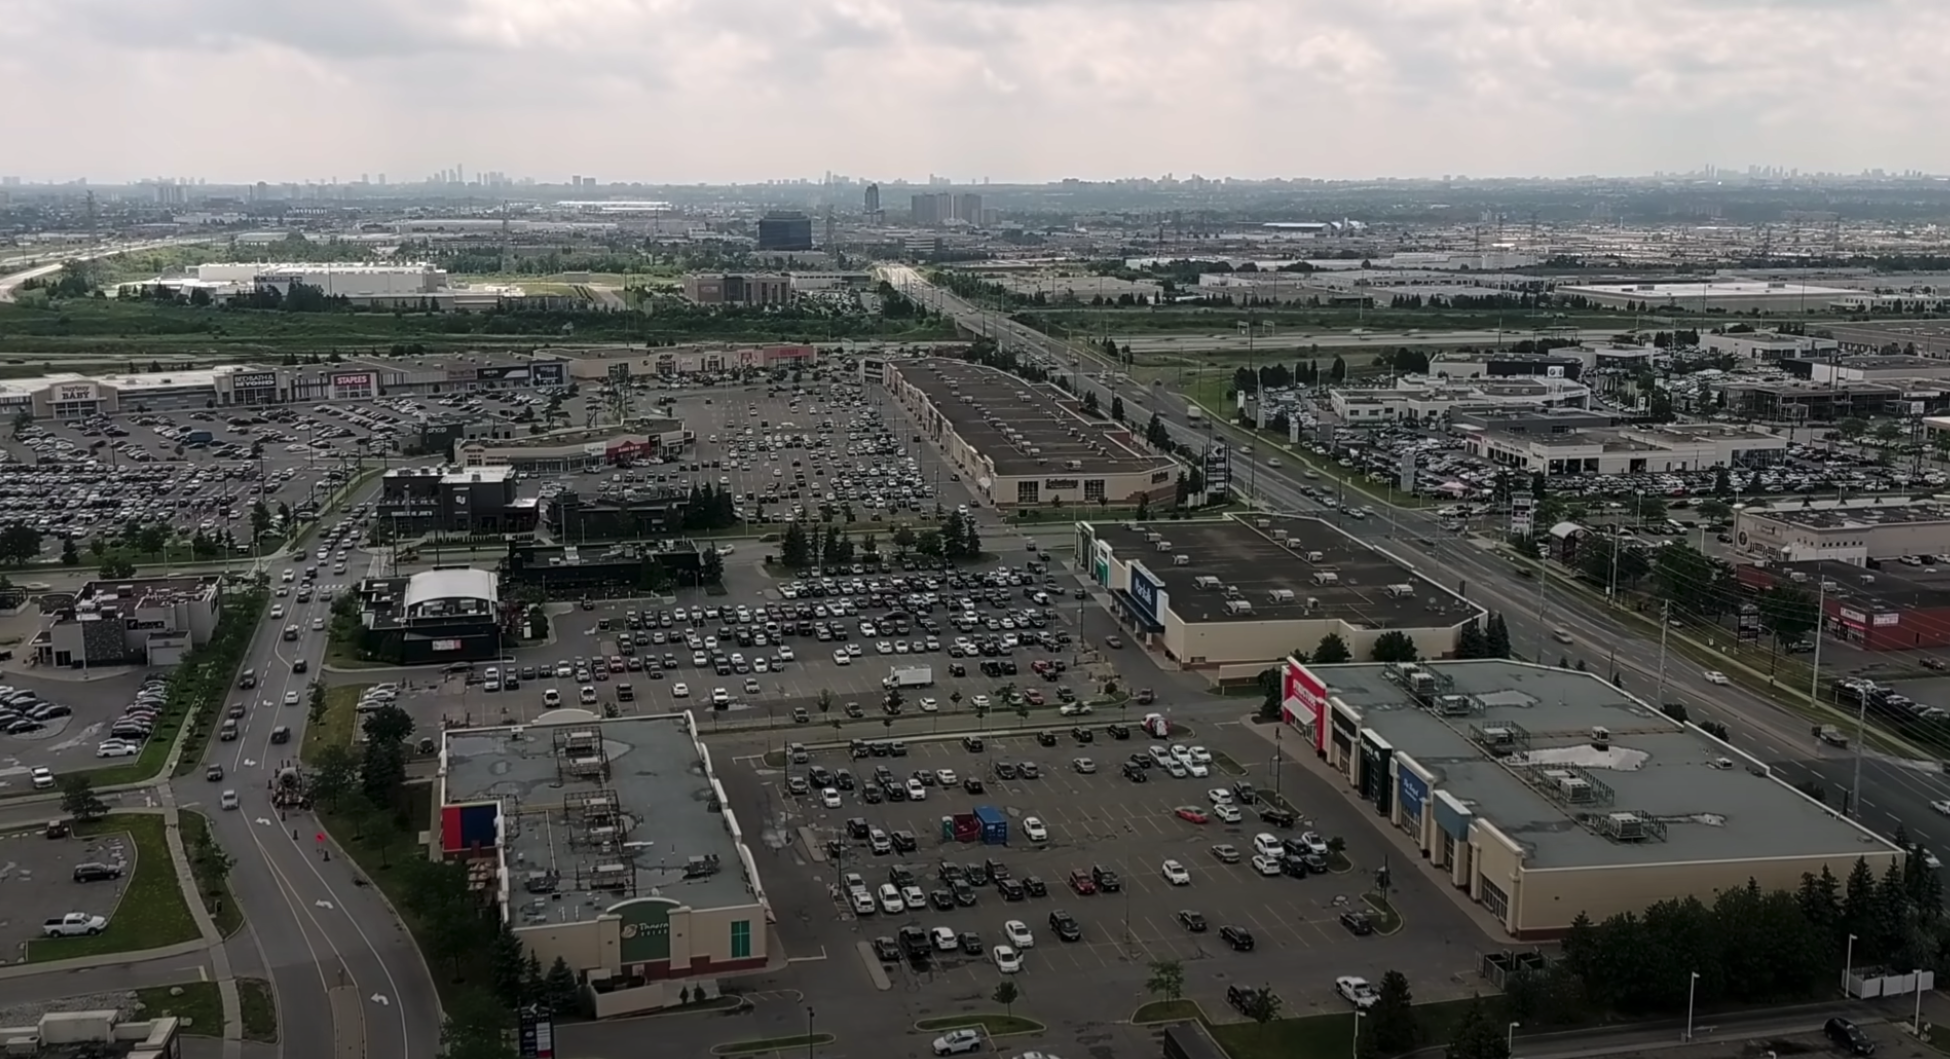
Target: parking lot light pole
[(1692, 985), (809, 1032), (1354, 1046), (1510, 1040)]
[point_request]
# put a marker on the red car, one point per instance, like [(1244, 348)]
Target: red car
[(1192, 813), (1082, 883), (1034, 696)]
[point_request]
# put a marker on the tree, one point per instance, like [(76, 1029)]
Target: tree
[(796, 547), (537, 623), (1392, 1018), (1498, 636), (825, 700), (260, 520), (1271, 685), (1262, 1005), (711, 567), (117, 568), (1167, 979), (508, 962), (209, 856), (1332, 651), (79, 800), (1788, 612), (1471, 643), (1143, 511), (1395, 646), (23, 419), (1476, 1037), (476, 1028), (1007, 992), (1117, 408), (19, 543), (561, 994), (69, 555), (334, 775), (1338, 370)]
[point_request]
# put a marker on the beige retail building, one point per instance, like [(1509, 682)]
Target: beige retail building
[(1545, 793)]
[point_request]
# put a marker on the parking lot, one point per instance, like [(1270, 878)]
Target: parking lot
[(1095, 821), (37, 881), (72, 735)]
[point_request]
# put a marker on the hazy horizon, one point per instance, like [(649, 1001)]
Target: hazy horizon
[(1016, 91)]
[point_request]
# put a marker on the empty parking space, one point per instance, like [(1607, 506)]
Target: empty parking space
[(39, 881)]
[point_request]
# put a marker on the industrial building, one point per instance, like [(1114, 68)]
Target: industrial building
[(785, 230), (1413, 398), (734, 288), (1546, 794), (1766, 345), (419, 500), (1851, 530), (1898, 605), (1713, 296), (1920, 338), (610, 844), (151, 621), (1024, 445), (1239, 592), (402, 286), (437, 616), (1628, 450)]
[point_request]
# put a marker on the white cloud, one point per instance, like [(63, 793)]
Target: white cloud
[(695, 90)]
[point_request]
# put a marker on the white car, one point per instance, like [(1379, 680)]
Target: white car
[(700, 659), (291, 698), (946, 777), (917, 901), (1201, 755), (1266, 865), (1007, 960), (277, 611), (1181, 752), (1227, 812), (982, 701), (681, 690), (862, 902), (1714, 676), (916, 791), (1197, 771), (1176, 874), (1930, 860), (720, 697), (587, 695), (1075, 709), (228, 800), (841, 658), (1018, 934), (956, 1041), (890, 900), (553, 698), (944, 939), (829, 797), (1034, 829), (1267, 844), (564, 669), (1355, 990), (117, 748), (1219, 796), (1942, 807), (929, 706), (785, 653), (1315, 844), (1176, 769)]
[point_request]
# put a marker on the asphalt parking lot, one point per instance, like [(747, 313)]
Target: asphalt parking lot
[(64, 743), (37, 881)]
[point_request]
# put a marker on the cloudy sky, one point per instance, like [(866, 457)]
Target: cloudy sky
[(717, 90)]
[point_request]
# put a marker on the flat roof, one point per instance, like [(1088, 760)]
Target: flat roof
[(452, 583), (1257, 564), (1714, 289), (662, 791), (1705, 796), (1853, 514), (1005, 417), (1897, 586)]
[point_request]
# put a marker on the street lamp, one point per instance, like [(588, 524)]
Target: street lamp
[(1848, 963), (1354, 1047), (809, 1031), (1510, 1039), (1692, 984)]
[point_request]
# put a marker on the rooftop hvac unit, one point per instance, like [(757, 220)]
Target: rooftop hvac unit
[(1238, 606), (1154, 537), (1313, 602), (1326, 577), (1400, 591), (1263, 523), (1074, 465), (1626, 827), (1280, 536), (1206, 581), (1181, 559), (1492, 737), (1421, 681), (1280, 595), (610, 877), (1600, 737), (1164, 546), (1458, 706), (1573, 788), (1314, 557)]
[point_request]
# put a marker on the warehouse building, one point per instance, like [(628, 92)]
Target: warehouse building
[(1236, 592), (1715, 296), (610, 844), (1022, 445), (1854, 530), (1545, 793), (1904, 605)]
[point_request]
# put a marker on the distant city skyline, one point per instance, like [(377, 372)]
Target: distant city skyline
[(1023, 91)]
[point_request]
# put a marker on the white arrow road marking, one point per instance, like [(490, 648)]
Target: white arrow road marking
[(323, 904), (264, 820), (249, 764), (380, 999)]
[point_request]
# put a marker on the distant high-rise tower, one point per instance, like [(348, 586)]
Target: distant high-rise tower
[(785, 230), (873, 202)]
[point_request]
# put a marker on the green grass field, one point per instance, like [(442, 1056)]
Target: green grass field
[(152, 913)]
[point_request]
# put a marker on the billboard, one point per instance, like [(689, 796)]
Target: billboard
[(256, 380), (68, 392), (1218, 468), (1522, 515), (1303, 701), (1148, 593), (552, 373)]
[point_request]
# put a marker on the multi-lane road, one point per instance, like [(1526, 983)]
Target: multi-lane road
[(1892, 790)]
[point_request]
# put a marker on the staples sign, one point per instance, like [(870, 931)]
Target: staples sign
[(360, 381), (1303, 697)]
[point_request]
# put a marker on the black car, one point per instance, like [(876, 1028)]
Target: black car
[(972, 785), (942, 900), (950, 873), (1046, 738), (1004, 770), (1244, 793), (976, 873), (1135, 774), (1029, 770), (820, 776), (1035, 886), (1239, 938), (1276, 816), (900, 875), (1106, 879), (904, 841), (1239, 997), (971, 943), (1083, 735), (1010, 889), (887, 950), (872, 795), (964, 894), (1849, 1036), (1118, 731), (95, 871), (1192, 921), (1357, 923), (996, 869), (1295, 867), (1065, 925), (972, 743)]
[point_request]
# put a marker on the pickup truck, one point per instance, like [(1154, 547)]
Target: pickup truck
[(74, 924)]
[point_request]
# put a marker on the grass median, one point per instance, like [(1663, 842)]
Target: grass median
[(259, 1007), (338, 724), (1319, 1035), (990, 1023), (198, 1004), (152, 913)]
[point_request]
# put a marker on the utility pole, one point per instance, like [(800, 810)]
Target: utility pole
[(1665, 627)]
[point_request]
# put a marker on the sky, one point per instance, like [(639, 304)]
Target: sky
[(690, 91)]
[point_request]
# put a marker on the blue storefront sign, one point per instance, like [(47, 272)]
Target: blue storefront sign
[(548, 373), (1414, 793), (1144, 592), (1452, 818)]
